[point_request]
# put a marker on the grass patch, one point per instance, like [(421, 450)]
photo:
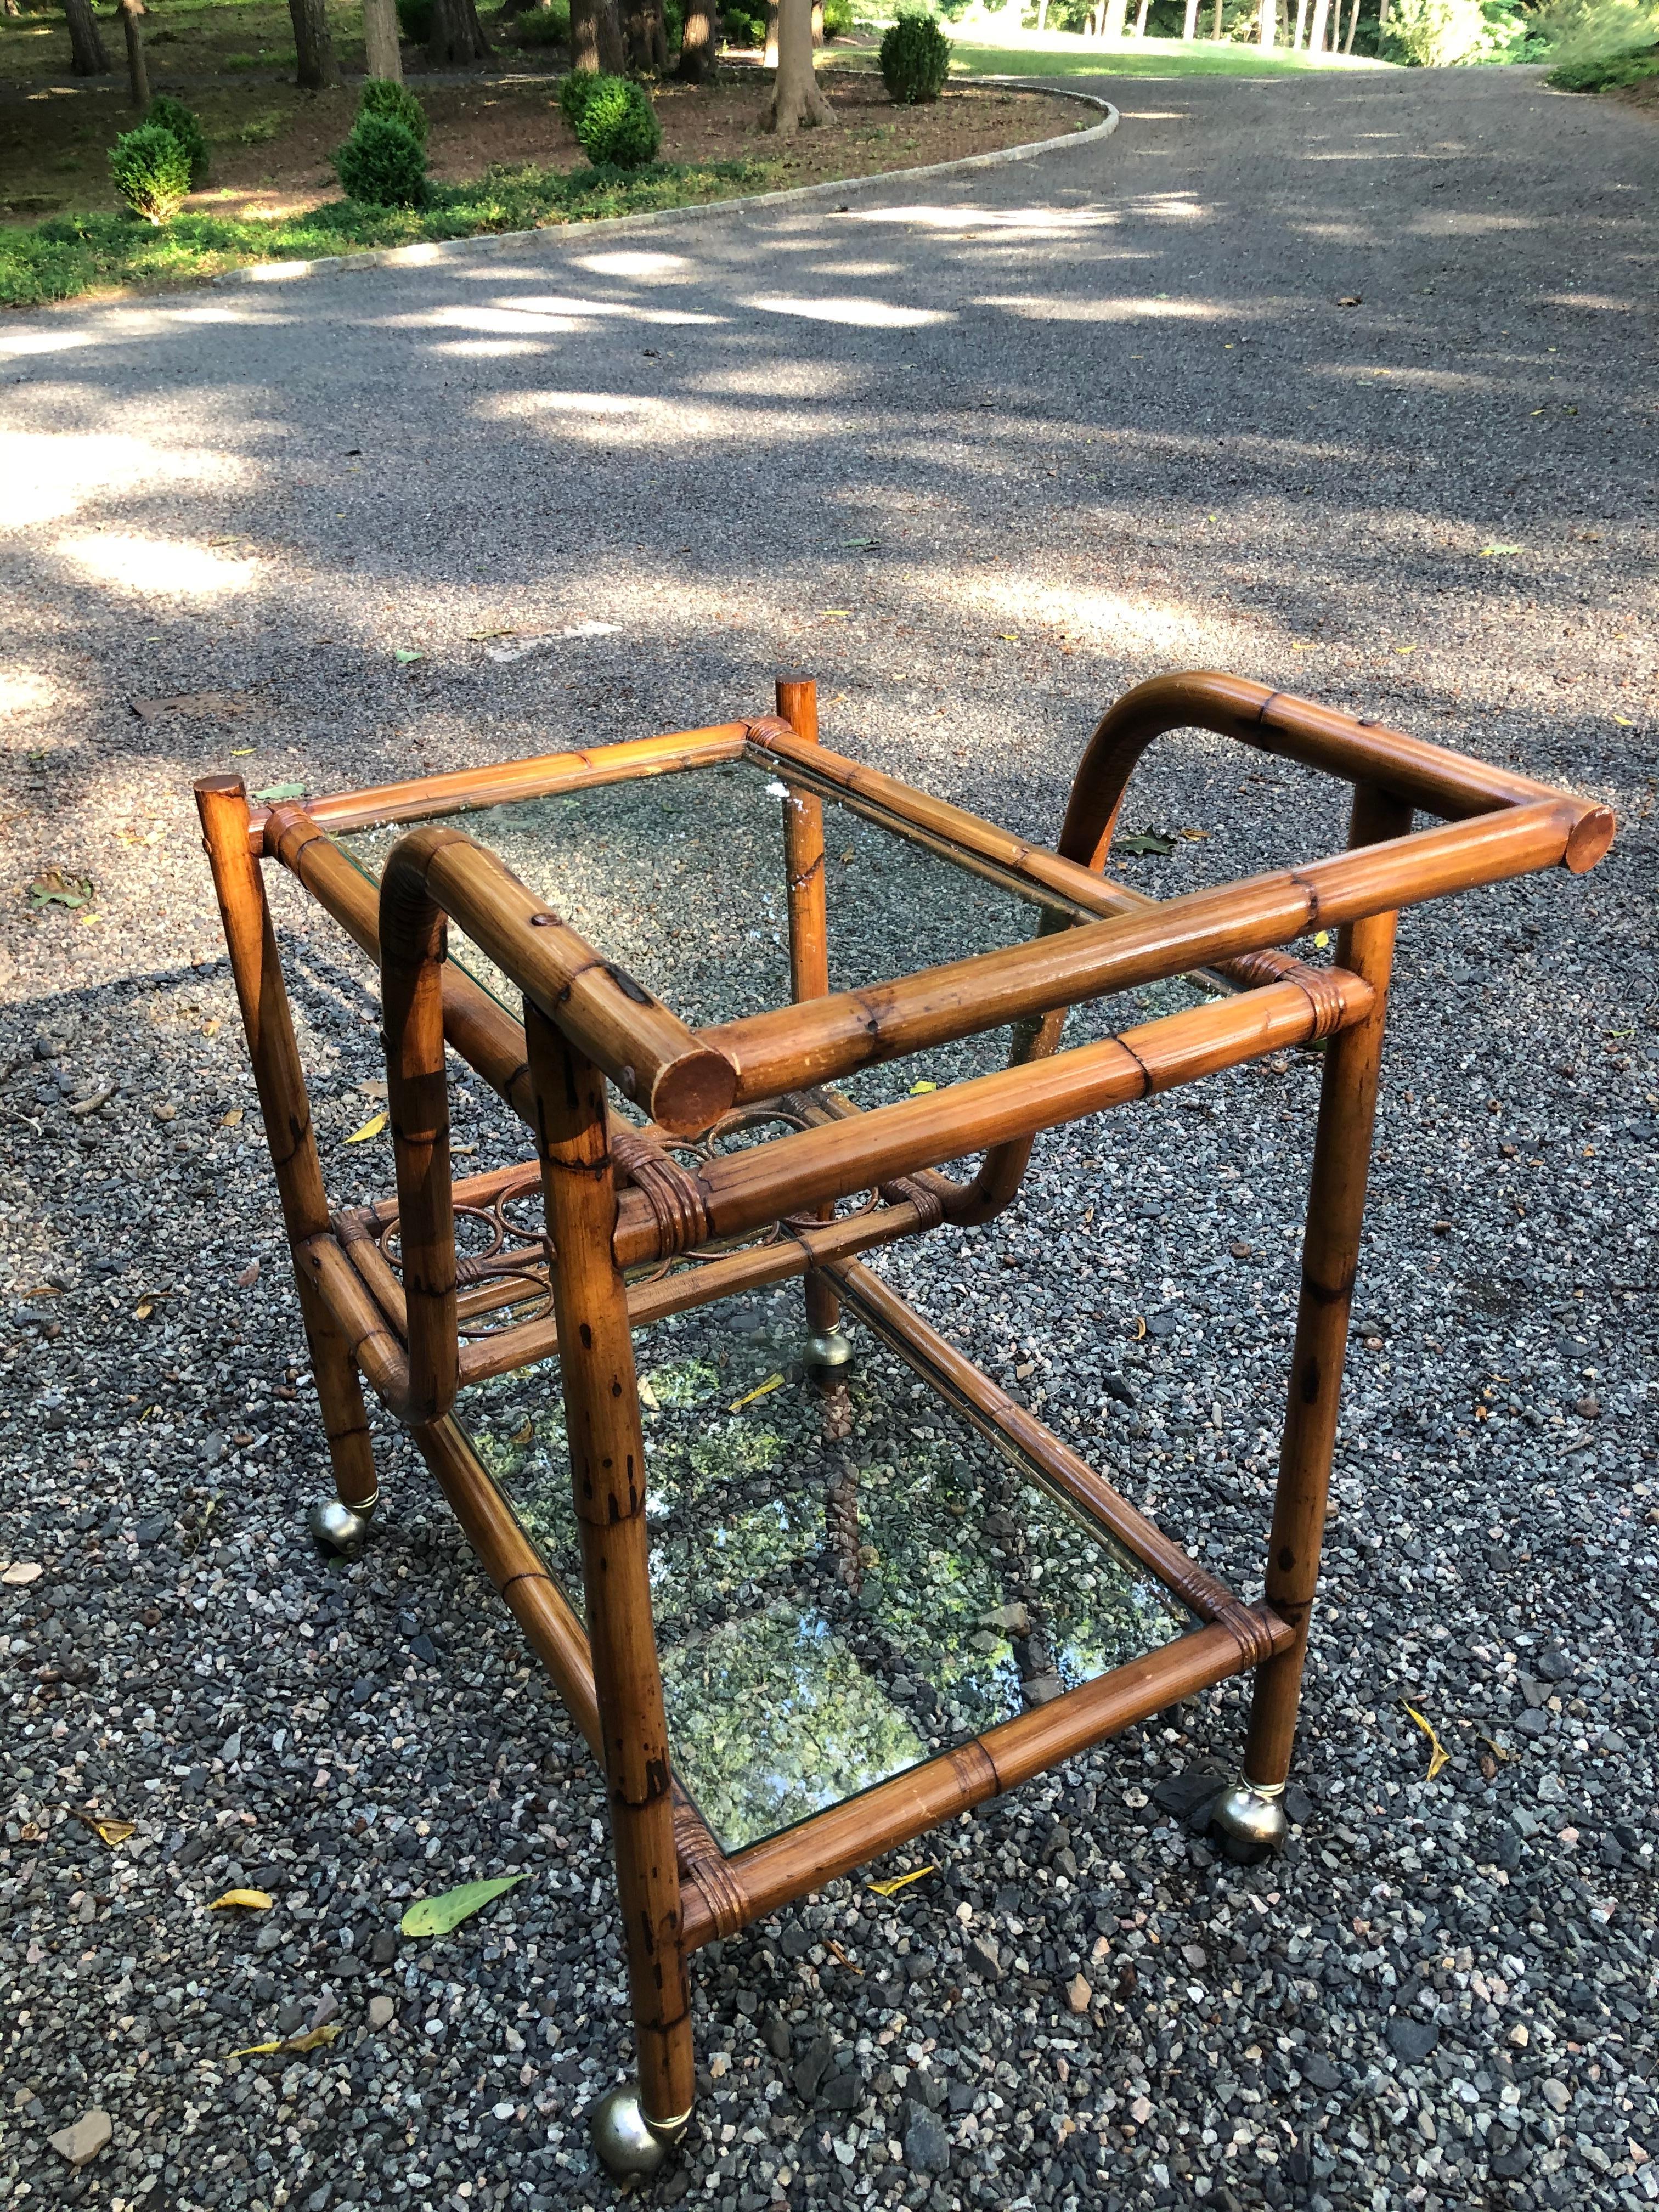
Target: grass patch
[(1059, 53), (77, 254), (1606, 72)]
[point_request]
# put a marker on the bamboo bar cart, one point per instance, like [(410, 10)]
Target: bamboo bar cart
[(738, 1591)]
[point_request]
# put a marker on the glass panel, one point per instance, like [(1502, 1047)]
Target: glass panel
[(680, 879), (830, 1609)]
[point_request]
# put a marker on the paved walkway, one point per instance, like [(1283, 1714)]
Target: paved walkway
[(980, 453)]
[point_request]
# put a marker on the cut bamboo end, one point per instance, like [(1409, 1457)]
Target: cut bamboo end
[(1590, 838)]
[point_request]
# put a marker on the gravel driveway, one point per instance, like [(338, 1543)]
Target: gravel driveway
[(1336, 382)]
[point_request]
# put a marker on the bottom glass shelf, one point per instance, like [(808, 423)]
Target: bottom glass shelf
[(843, 1588)]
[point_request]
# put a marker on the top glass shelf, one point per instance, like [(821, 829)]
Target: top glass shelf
[(681, 880)]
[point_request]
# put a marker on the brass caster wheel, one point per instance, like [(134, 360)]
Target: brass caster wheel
[(1250, 1819), (339, 1528), (829, 1354), (626, 2140)]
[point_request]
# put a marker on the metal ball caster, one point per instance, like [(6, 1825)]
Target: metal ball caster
[(626, 2140), (339, 1528), (827, 1354), (1250, 1819)]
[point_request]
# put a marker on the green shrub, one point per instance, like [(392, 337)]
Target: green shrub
[(382, 164), (151, 171), (574, 93), (415, 20), (545, 27), (837, 19), (742, 26), (915, 59), (618, 128), (673, 20), (186, 127), (1597, 30), (1603, 74), (396, 103)]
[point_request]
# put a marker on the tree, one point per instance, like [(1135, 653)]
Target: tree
[(1321, 15), (313, 45), (87, 55), (596, 39), (698, 42), (1111, 21), (1269, 22), (646, 35), (1189, 22), (796, 101), (457, 35), (137, 74), (382, 54)]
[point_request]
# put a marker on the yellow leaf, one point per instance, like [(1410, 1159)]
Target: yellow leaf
[(1405, 648), (371, 1127), (527, 1435), (1322, 938), (104, 1826), (1438, 1754), (1623, 721), (258, 2050), (142, 1313), (240, 752), (233, 1120), (1195, 836), (255, 1900), (920, 1086), (1009, 636), (839, 614), (314, 2038), (898, 1881), (762, 1390)]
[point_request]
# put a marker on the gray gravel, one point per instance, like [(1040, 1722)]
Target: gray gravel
[(1104, 417)]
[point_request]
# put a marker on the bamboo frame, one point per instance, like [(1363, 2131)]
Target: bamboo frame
[(619, 1198)]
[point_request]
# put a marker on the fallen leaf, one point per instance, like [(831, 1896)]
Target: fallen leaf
[(312, 2039), (1438, 1754), (107, 1829), (1195, 836), (1405, 648), (893, 1885), (1488, 551), (838, 614), (21, 1573), (56, 887), (142, 1313), (525, 1436), (921, 1085), (256, 1900), (847, 858), (1146, 841), (836, 1951), (242, 752), (1496, 1749), (278, 792), (258, 2050), (860, 545), (1623, 721), (761, 1390), (437, 1916), (406, 654), (233, 1120), (1352, 299), (249, 1276), (371, 1127), (478, 636), (1321, 938), (1009, 636)]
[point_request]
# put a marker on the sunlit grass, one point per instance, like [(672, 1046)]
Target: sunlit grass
[(77, 254)]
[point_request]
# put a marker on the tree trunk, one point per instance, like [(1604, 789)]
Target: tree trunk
[(137, 73), (646, 37), (1316, 31), (1215, 22), (383, 56), (796, 101), (1111, 21), (818, 22), (313, 45), (1140, 19), (1381, 15), (1043, 15), (596, 39), (697, 43), (1300, 31), (770, 58), (87, 55), (1189, 22), (1353, 25), (1269, 23), (458, 36)]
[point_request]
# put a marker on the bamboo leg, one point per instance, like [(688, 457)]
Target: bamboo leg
[(632, 2127), (1250, 1814), (222, 801), (827, 1349)]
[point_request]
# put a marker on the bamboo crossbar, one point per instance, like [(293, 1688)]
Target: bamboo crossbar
[(424, 798), (759, 1879), (795, 1048), (742, 1191)]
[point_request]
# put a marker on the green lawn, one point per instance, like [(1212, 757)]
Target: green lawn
[(1065, 54)]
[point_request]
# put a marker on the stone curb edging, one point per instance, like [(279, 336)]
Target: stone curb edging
[(435, 252)]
